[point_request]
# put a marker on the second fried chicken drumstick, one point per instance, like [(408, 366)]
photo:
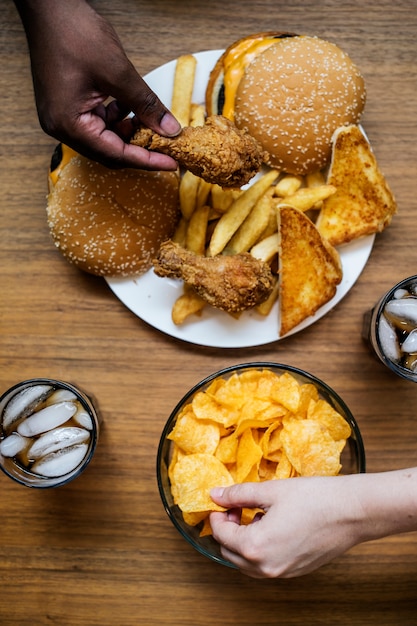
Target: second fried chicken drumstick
[(218, 152), (231, 283)]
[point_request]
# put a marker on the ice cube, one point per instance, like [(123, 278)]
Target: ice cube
[(13, 444), (388, 340), (61, 395), (83, 419), (404, 309), (400, 293), (57, 439), (24, 403), (410, 343), (46, 419), (61, 462)]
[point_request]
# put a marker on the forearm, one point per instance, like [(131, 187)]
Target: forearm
[(388, 503), (44, 9), (41, 19)]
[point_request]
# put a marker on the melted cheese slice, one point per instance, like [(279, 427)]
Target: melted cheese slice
[(67, 155), (235, 63)]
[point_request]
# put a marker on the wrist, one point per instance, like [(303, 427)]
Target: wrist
[(387, 503)]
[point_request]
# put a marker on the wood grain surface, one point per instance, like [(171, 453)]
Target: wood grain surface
[(101, 550)]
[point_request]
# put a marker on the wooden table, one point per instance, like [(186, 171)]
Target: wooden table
[(101, 551)]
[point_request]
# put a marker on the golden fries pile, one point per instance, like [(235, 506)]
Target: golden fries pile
[(218, 221), (223, 221), (233, 222)]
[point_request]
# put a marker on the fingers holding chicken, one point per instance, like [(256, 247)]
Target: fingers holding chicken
[(218, 152), (230, 283)]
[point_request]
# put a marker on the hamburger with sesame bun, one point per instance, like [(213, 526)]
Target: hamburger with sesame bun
[(109, 222), (290, 92)]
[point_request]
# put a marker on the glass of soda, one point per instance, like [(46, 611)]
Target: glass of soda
[(391, 328), (48, 432)]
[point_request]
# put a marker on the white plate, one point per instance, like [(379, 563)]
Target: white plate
[(151, 297)]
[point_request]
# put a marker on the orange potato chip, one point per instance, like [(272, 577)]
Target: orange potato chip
[(194, 435), (248, 515), (173, 460), (267, 469), (284, 467), (227, 449), (232, 394), (249, 454), (177, 453), (253, 424), (262, 410), (324, 413), (310, 448), (268, 381), (250, 378), (308, 392), (271, 442), (206, 528), (194, 475), (193, 519), (286, 392), (208, 408)]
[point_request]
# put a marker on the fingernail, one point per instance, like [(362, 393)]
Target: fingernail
[(170, 125), (217, 492)]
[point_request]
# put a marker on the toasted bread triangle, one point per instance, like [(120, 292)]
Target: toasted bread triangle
[(309, 268), (363, 203)]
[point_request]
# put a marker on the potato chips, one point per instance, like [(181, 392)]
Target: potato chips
[(257, 425)]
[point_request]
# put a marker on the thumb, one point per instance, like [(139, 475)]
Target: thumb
[(146, 105), (250, 495)]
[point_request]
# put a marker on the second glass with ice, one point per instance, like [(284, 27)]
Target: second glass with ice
[(391, 329)]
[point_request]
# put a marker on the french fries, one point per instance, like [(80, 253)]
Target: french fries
[(189, 303), (195, 239), (272, 225), (264, 308), (315, 179), (266, 249), (197, 115), (181, 232), (203, 192), (307, 197), (182, 91), (217, 221), (238, 212), (221, 199), (254, 225), (188, 193), (288, 185)]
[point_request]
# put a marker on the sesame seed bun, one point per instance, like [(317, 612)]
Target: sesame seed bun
[(111, 222), (294, 95)]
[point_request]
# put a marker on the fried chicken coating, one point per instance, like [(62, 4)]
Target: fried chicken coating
[(218, 152), (230, 283)]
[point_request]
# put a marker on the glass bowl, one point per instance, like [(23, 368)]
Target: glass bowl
[(352, 458)]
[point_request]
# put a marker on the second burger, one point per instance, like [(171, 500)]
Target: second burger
[(290, 93)]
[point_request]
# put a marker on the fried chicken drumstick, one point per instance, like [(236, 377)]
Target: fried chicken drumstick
[(231, 283), (218, 152)]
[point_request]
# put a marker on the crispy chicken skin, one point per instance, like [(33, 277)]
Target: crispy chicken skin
[(231, 283), (218, 152)]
